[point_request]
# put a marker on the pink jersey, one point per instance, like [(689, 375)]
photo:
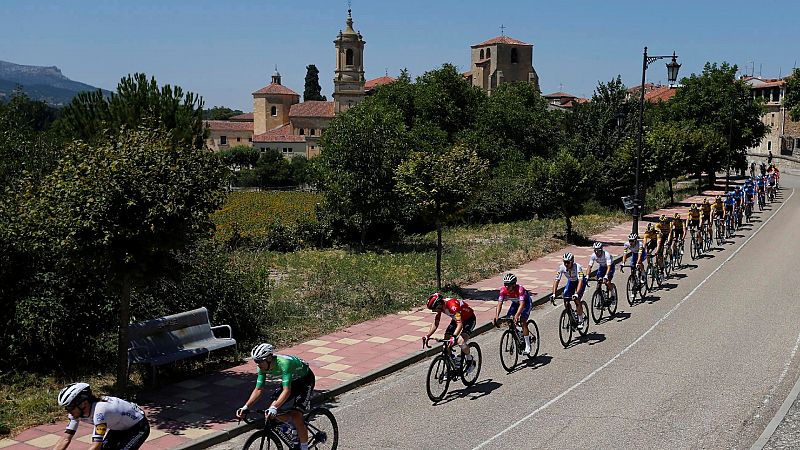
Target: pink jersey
[(515, 295)]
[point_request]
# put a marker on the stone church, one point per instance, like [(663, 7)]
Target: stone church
[(281, 121)]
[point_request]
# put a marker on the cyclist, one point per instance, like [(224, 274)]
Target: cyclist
[(462, 322), (297, 384), (664, 231), (650, 239), (718, 211), (752, 168), (761, 184), (518, 296), (118, 424), (730, 201), (739, 206), (637, 252), (576, 284), (749, 193), (763, 168), (777, 176), (605, 269), (705, 217), (771, 182), (678, 229)]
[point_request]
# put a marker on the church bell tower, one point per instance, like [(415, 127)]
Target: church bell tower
[(348, 83)]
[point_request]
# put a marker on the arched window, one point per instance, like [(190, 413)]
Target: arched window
[(348, 57), (488, 53), (514, 56), (302, 131), (274, 111), (481, 53)]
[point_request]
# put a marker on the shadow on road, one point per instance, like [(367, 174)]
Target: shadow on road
[(533, 363), (593, 338), (474, 392)]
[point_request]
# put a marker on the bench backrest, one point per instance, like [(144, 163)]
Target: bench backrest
[(172, 331)]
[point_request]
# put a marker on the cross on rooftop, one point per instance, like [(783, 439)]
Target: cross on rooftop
[(502, 30)]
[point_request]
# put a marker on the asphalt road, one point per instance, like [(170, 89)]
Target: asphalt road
[(703, 363)]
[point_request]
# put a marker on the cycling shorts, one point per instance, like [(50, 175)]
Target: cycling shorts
[(526, 311), (694, 223), (569, 289), (130, 439), (651, 245), (469, 325), (301, 389), (604, 271)]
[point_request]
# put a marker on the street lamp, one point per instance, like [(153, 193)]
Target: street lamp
[(672, 76)]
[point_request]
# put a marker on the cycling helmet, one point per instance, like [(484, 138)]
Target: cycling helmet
[(509, 279), (676, 216), (435, 301), (633, 237), (738, 188), (693, 207), (718, 198), (705, 200), (663, 218), (74, 393), (597, 246), (568, 257), (261, 352), (650, 227)]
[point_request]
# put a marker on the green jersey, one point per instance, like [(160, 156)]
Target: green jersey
[(289, 368)]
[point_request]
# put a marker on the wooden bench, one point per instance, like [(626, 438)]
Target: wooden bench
[(172, 338)]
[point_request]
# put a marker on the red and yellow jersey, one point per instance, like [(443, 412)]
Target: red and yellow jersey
[(458, 310)]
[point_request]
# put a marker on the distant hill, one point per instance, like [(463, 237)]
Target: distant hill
[(40, 83)]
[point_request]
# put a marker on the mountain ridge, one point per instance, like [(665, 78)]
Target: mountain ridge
[(45, 83)]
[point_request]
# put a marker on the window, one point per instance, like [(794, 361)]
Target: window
[(249, 139), (223, 140), (302, 132), (348, 57), (772, 120), (776, 92), (238, 139), (488, 53), (312, 147), (769, 145), (481, 55), (313, 132), (274, 111), (514, 56)]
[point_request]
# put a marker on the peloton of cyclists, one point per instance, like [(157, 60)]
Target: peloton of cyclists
[(520, 309)]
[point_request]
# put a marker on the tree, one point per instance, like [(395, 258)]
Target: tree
[(442, 98), (593, 127), (567, 182), (240, 157), (220, 113), (792, 98), (312, 91), (665, 153), (440, 185), (122, 209), (272, 169), (137, 104), (717, 100), (363, 147)]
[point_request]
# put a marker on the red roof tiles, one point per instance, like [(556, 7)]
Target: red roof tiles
[(375, 82), (660, 93), (246, 117), (276, 89), (502, 40), (282, 133), (225, 125), (559, 95), (312, 108)]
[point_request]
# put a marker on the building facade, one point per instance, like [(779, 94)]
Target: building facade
[(783, 137), (499, 60)]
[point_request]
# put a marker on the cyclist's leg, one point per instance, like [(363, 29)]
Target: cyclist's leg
[(466, 332)]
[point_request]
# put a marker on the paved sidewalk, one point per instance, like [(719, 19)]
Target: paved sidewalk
[(188, 413)]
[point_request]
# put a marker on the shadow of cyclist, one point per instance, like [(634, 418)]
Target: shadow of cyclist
[(474, 392)]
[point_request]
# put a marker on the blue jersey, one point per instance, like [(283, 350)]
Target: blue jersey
[(730, 199), (749, 189), (760, 182)]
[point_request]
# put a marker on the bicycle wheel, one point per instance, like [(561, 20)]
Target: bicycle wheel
[(667, 262), (660, 275), (651, 277), (612, 303), (438, 378), (533, 332), (475, 352), (679, 255), (631, 289), (693, 250), (642, 284), (598, 304), (585, 321), (565, 328), (262, 440), (508, 350), (323, 431)]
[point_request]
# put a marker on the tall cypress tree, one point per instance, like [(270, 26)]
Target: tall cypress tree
[(313, 90)]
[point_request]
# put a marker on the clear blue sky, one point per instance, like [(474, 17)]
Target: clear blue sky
[(225, 50)]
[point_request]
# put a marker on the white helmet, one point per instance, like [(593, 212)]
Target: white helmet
[(509, 279), (261, 352), (598, 246), (633, 237), (74, 394), (568, 257)]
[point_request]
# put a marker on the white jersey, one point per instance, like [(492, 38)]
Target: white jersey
[(604, 260), (635, 248), (111, 413), (574, 272)]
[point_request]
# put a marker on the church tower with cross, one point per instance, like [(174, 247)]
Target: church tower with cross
[(348, 81), (499, 60)]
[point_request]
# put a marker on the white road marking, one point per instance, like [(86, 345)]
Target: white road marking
[(625, 350)]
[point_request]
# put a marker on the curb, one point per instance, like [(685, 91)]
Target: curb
[(776, 421)]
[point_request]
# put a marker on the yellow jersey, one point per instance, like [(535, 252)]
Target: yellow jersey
[(694, 215), (719, 206), (650, 235), (677, 224), (663, 228), (705, 208)]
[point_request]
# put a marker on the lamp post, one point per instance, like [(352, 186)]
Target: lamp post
[(672, 76)]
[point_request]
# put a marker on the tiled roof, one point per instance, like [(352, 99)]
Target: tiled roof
[(502, 40), (282, 133), (767, 84), (313, 108), (647, 87), (246, 117), (375, 82), (660, 93), (226, 125), (275, 88), (559, 95)]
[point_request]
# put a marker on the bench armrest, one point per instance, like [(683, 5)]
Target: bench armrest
[(228, 327), (138, 352)]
